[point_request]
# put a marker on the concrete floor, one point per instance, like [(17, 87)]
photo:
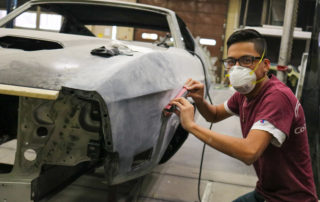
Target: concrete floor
[(223, 178)]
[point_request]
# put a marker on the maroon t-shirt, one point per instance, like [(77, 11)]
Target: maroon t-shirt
[(284, 173)]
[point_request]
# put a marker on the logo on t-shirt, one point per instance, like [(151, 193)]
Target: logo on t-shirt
[(299, 130)]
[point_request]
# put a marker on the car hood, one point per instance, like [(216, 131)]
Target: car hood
[(74, 66)]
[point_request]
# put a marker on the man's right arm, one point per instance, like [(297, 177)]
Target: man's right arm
[(212, 113)]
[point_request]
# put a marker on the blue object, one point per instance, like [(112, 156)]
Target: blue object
[(253, 196), (11, 5)]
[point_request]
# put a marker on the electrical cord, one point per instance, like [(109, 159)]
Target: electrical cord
[(210, 100)]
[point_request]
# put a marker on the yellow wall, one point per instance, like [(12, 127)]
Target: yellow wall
[(232, 20), (232, 23)]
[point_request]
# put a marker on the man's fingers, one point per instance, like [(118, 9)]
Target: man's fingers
[(177, 103), (196, 86), (190, 82), (180, 102), (190, 94), (183, 101)]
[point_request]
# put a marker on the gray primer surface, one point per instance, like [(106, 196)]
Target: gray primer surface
[(135, 88), (116, 78)]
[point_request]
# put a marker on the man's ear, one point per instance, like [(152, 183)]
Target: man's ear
[(266, 65)]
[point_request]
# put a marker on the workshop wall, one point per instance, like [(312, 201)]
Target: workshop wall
[(204, 18)]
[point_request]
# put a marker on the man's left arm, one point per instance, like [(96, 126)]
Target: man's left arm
[(247, 149)]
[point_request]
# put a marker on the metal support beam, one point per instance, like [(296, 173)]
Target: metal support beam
[(290, 18), (270, 12), (264, 12), (245, 15)]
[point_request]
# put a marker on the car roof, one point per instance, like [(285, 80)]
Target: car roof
[(140, 15), (108, 2)]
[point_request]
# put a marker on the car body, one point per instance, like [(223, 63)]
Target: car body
[(68, 107)]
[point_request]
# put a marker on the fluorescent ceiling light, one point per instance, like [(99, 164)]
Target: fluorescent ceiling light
[(149, 36), (208, 42), (114, 33)]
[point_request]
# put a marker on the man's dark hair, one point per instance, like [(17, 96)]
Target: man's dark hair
[(249, 35)]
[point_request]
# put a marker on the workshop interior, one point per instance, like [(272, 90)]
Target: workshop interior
[(86, 89)]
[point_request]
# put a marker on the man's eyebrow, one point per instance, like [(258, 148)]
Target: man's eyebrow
[(242, 56)]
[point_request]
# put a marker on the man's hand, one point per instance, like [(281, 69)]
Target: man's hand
[(196, 90), (186, 112)]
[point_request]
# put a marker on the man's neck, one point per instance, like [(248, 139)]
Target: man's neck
[(257, 89)]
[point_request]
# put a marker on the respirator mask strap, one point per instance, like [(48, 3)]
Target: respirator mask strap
[(255, 68)]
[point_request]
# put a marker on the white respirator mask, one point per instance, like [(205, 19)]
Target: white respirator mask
[(243, 79)]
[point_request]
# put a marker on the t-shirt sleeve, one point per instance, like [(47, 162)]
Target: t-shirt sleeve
[(277, 110), (278, 137), (232, 105)]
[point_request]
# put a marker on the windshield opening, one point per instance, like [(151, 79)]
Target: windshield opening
[(96, 21)]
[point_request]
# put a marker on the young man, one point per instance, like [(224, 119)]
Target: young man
[(272, 122)]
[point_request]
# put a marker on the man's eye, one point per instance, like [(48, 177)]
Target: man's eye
[(230, 62), (246, 60)]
